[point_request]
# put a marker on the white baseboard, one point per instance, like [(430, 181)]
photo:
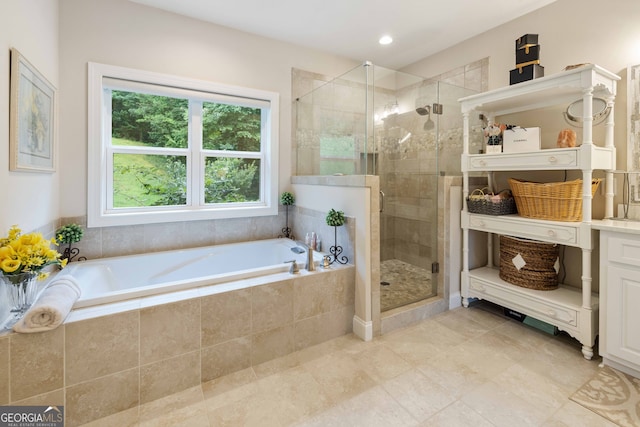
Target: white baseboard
[(362, 329), (455, 300)]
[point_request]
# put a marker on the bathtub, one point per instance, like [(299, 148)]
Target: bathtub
[(109, 280)]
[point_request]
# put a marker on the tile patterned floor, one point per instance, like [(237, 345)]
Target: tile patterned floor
[(465, 367), (406, 284)]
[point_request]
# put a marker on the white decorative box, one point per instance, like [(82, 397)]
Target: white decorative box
[(518, 139)]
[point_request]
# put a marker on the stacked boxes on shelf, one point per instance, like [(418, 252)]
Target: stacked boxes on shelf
[(527, 60)]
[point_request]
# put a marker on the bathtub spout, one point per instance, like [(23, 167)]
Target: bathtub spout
[(294, 267), (310, 264)]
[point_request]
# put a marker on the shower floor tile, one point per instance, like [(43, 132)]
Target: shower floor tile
[(406, 284)]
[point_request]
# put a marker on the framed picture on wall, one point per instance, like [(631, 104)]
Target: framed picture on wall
[(32, 118)]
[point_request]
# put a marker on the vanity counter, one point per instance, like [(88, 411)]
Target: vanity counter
[(628, 226)]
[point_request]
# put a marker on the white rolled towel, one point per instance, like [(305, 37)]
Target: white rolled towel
[(52, 306)]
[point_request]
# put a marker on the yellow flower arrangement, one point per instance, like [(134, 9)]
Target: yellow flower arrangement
[(24, 253)]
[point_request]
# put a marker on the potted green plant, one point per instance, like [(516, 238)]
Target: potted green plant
[(287, 199), (336, 219), (68, 235)]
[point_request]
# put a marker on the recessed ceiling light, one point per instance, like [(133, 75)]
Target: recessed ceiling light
[(385, 40)]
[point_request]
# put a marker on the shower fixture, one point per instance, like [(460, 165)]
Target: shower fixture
[(423, 111), (428, 125), (426, 111)]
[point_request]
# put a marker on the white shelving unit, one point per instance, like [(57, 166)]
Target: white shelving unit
[(568, 308)]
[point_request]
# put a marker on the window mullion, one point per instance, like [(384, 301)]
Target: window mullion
[(107, 162), (196, 160)]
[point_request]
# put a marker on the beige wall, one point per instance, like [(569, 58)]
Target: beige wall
[(570, 32), (123, 33), (31, 26)]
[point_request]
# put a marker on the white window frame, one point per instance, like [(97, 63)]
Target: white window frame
[(100, 152)]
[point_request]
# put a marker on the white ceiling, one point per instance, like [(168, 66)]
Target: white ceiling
[(351, 28)]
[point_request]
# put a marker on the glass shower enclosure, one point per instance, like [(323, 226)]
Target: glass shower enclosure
[(403, 128)]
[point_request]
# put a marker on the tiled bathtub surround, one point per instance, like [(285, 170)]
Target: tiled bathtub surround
[(104, 242), (109, 364)]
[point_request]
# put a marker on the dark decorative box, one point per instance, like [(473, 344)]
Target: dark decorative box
[(527, 55), (526, 40), (523, 74)]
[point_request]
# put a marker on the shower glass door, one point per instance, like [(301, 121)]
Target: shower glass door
[(417, 146), (408, 130)]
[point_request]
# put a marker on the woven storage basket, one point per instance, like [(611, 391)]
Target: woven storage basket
[(557, 201), (480, 203), (536, 261)]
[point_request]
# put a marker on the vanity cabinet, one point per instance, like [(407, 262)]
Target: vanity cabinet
[(574, 310), (620, 295)]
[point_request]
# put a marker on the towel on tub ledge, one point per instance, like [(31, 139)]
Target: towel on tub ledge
[(52, 306)]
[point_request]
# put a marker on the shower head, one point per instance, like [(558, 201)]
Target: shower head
[(423, 111)]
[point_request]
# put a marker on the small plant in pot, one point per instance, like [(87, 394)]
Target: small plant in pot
[(336, 219), (287, 199), (68, 235)]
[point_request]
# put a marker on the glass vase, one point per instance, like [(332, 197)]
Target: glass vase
[(21, 291)]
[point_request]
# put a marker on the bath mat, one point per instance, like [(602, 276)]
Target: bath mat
[(613, 395)]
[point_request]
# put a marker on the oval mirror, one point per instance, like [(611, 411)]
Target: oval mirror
[(600, 111)]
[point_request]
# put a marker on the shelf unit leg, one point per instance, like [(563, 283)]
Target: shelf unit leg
[(587, 352)]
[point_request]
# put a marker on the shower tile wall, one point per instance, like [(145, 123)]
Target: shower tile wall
[(409, 172), (328, 124)]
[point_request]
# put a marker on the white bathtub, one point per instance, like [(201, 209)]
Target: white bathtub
[(108, 280)]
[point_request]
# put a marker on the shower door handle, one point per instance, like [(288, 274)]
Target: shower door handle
[(381, 201)]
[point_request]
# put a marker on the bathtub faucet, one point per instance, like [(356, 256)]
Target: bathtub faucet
[(310, 265)]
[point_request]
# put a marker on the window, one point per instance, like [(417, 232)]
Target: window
[(165, 148)]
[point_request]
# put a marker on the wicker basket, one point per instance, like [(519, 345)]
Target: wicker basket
[(557, 201), (528, 263), (480, 203)]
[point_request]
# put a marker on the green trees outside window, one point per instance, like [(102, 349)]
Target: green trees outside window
[(150, 137)]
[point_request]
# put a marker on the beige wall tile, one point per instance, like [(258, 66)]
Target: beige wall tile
[(225, 358), (272, 306), (226, 316), (169, 376), (101, 397), (343, 292), (169, 330), (126, 240), (312, 295), (321, 328), (37, 363), (271, 344), (52, 398), (90, 346), (4, 370), (307, 332)]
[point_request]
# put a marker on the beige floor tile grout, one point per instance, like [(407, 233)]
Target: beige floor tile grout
[(471, 370)]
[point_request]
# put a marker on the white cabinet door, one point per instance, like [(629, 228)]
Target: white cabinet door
[(623, 313)]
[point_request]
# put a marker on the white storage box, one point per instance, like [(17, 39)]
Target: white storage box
[(519, 139), (493, 149)]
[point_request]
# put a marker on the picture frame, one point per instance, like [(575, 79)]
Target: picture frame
[(32, 118)]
